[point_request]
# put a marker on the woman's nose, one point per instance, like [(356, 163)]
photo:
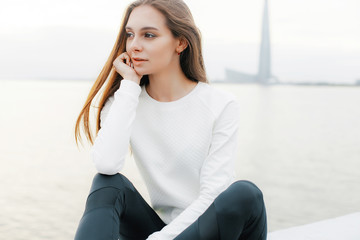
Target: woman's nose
[(135, 45)]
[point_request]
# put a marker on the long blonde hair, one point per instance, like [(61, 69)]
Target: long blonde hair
[(181, 23)]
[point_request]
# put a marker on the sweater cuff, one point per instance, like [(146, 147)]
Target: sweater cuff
[(129, 87)]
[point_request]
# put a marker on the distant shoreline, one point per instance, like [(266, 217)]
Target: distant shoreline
[(321, 84), (318, 84)]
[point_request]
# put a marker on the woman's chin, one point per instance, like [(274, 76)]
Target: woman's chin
[(139, 70)]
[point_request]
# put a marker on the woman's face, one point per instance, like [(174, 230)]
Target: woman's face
[(150, 43)]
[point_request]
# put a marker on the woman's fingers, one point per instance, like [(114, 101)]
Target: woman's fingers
[(123, 58), (125, 67), (126, 58)]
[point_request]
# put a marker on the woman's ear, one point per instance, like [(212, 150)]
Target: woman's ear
[(183, 44)]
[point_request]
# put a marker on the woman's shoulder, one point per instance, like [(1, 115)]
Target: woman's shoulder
[(215, 97), (215, 94)]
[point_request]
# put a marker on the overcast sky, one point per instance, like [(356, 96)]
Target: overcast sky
[(312, 40)]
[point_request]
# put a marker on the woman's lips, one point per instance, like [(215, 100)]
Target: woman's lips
[(138, 60)]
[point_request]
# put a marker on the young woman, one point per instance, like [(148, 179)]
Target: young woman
[(182, 133)]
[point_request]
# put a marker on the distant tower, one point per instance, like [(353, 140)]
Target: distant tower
[(264, 71), (264, 75)]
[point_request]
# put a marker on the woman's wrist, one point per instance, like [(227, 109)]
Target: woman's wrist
[(134, 79)]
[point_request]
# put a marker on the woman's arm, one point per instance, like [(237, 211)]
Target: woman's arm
[(217, 172), (116, 119)]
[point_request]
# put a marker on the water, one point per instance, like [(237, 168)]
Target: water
[(299, 144)]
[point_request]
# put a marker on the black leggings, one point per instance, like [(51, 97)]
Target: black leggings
[(115, 210)]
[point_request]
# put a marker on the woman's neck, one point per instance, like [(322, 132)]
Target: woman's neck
[(169, 85)]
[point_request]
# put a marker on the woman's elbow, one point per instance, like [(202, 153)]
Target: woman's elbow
[(108, 166), (107, 170)]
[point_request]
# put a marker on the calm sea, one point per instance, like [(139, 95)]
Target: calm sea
[(299, 144)]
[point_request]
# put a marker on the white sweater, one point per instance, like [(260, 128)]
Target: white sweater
[(185, 149)]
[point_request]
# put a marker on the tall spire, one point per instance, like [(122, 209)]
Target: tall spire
[(264, 71)]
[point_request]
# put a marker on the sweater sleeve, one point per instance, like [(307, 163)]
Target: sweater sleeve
[(217, 172), (116, 119)]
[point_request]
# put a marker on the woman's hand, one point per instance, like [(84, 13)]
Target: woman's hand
[(125, 68)]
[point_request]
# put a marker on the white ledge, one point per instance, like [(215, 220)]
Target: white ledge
[(341, 228)]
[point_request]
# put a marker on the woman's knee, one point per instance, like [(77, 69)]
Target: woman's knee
[(107, 191), (240, 195), (246, 192), (117, 181)]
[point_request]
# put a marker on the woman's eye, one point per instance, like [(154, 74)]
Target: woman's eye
[(149, 35), (129, 34)]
